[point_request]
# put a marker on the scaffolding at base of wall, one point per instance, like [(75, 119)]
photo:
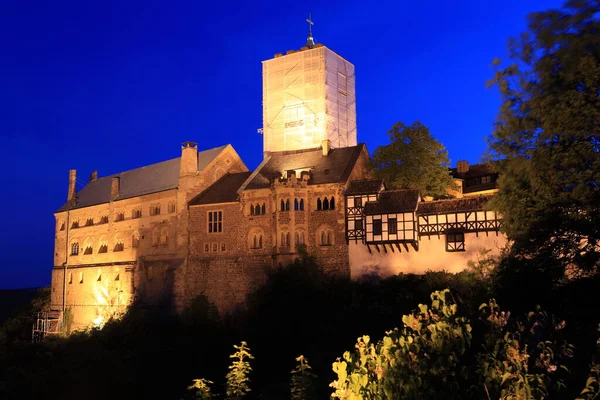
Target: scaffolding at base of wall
[(46, 323)]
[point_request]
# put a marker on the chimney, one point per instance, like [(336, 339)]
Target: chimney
[(462, 167), (189, 159), (72, 181), (94, 176), (115, 188), (326, 145)]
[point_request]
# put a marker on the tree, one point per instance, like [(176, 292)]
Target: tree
[(548, 133), (414, 159), (237, 377)]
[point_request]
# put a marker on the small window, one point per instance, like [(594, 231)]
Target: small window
[(296, 205), (285, 239), (103, 248), (155, 209), (74, 248), (358, 224), (282, 205), (392, 226), (332, 203), (62, 226), (319, 205), (81, 277), (171, 207), (88, 250), (251, 209), (455, 241), (104, 219), (358, 202), (215, 221), (206, 247), (301, 204), (99, 277), (119, 216), (136, 213), (75, 224), (376, 227), (215, 247), (135, 241), (89, 221), (119, 246), (70, 278), (287, 205), (118, 277), (164, 237), (325, 239), (299, 238), (325, 203), (222, 246), (263, 209)]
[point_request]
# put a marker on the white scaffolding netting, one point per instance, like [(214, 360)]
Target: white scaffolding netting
[(308, 96)]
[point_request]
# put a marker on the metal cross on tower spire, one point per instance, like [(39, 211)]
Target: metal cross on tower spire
[(310, 42)]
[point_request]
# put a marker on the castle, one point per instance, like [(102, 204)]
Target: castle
[(204, 224)]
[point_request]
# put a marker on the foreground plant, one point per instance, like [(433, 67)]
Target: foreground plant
[(302, 386), (237, 377)]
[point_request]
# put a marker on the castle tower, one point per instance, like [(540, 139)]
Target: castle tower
[(308, 97)]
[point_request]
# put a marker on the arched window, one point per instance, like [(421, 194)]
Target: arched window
[(287, 205), (282, 239), (255, 242), (74, 248), (135, 240), (301, 204), (263, 209), (164, 236), (282, 205), (319, 206), (299, 238), (332, 203), (257, 209), (103, 248), (296, 205), (260, 241), (287, 239), (323, 238), (325, 204), (119, 245), (172, 206), (251, 209)]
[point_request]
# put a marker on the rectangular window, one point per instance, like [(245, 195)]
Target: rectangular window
[(358, 224), (222, 246), (206, 247), (376, 227), (215, 247), (392, 226), (358, 202), (215, 221), (455, 241)]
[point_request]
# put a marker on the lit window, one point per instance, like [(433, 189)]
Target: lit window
[(74, 248), (455, 241), (215, 221)]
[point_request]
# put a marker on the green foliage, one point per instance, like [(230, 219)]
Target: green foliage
[(524, 363), (414, 159), (548, 133), (201, 388), (421, 360), (237, 377), (592, 384), (302, 386)]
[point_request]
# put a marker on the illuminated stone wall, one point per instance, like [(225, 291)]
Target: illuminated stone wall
[(308, 96), (432, 256), (155, 268)]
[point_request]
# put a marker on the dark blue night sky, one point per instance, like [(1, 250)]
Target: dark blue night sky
[(115, 85)]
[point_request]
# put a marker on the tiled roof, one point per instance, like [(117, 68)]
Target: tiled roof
[(364, 187), (139, 181), (333, 168), (222, 191), (475, 203), (391, 201)]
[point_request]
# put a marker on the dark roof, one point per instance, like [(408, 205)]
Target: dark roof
[(474, 171), (475, 203), (222, 191), (136, 182), (391, 201), (364, 187), (333, 168)]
